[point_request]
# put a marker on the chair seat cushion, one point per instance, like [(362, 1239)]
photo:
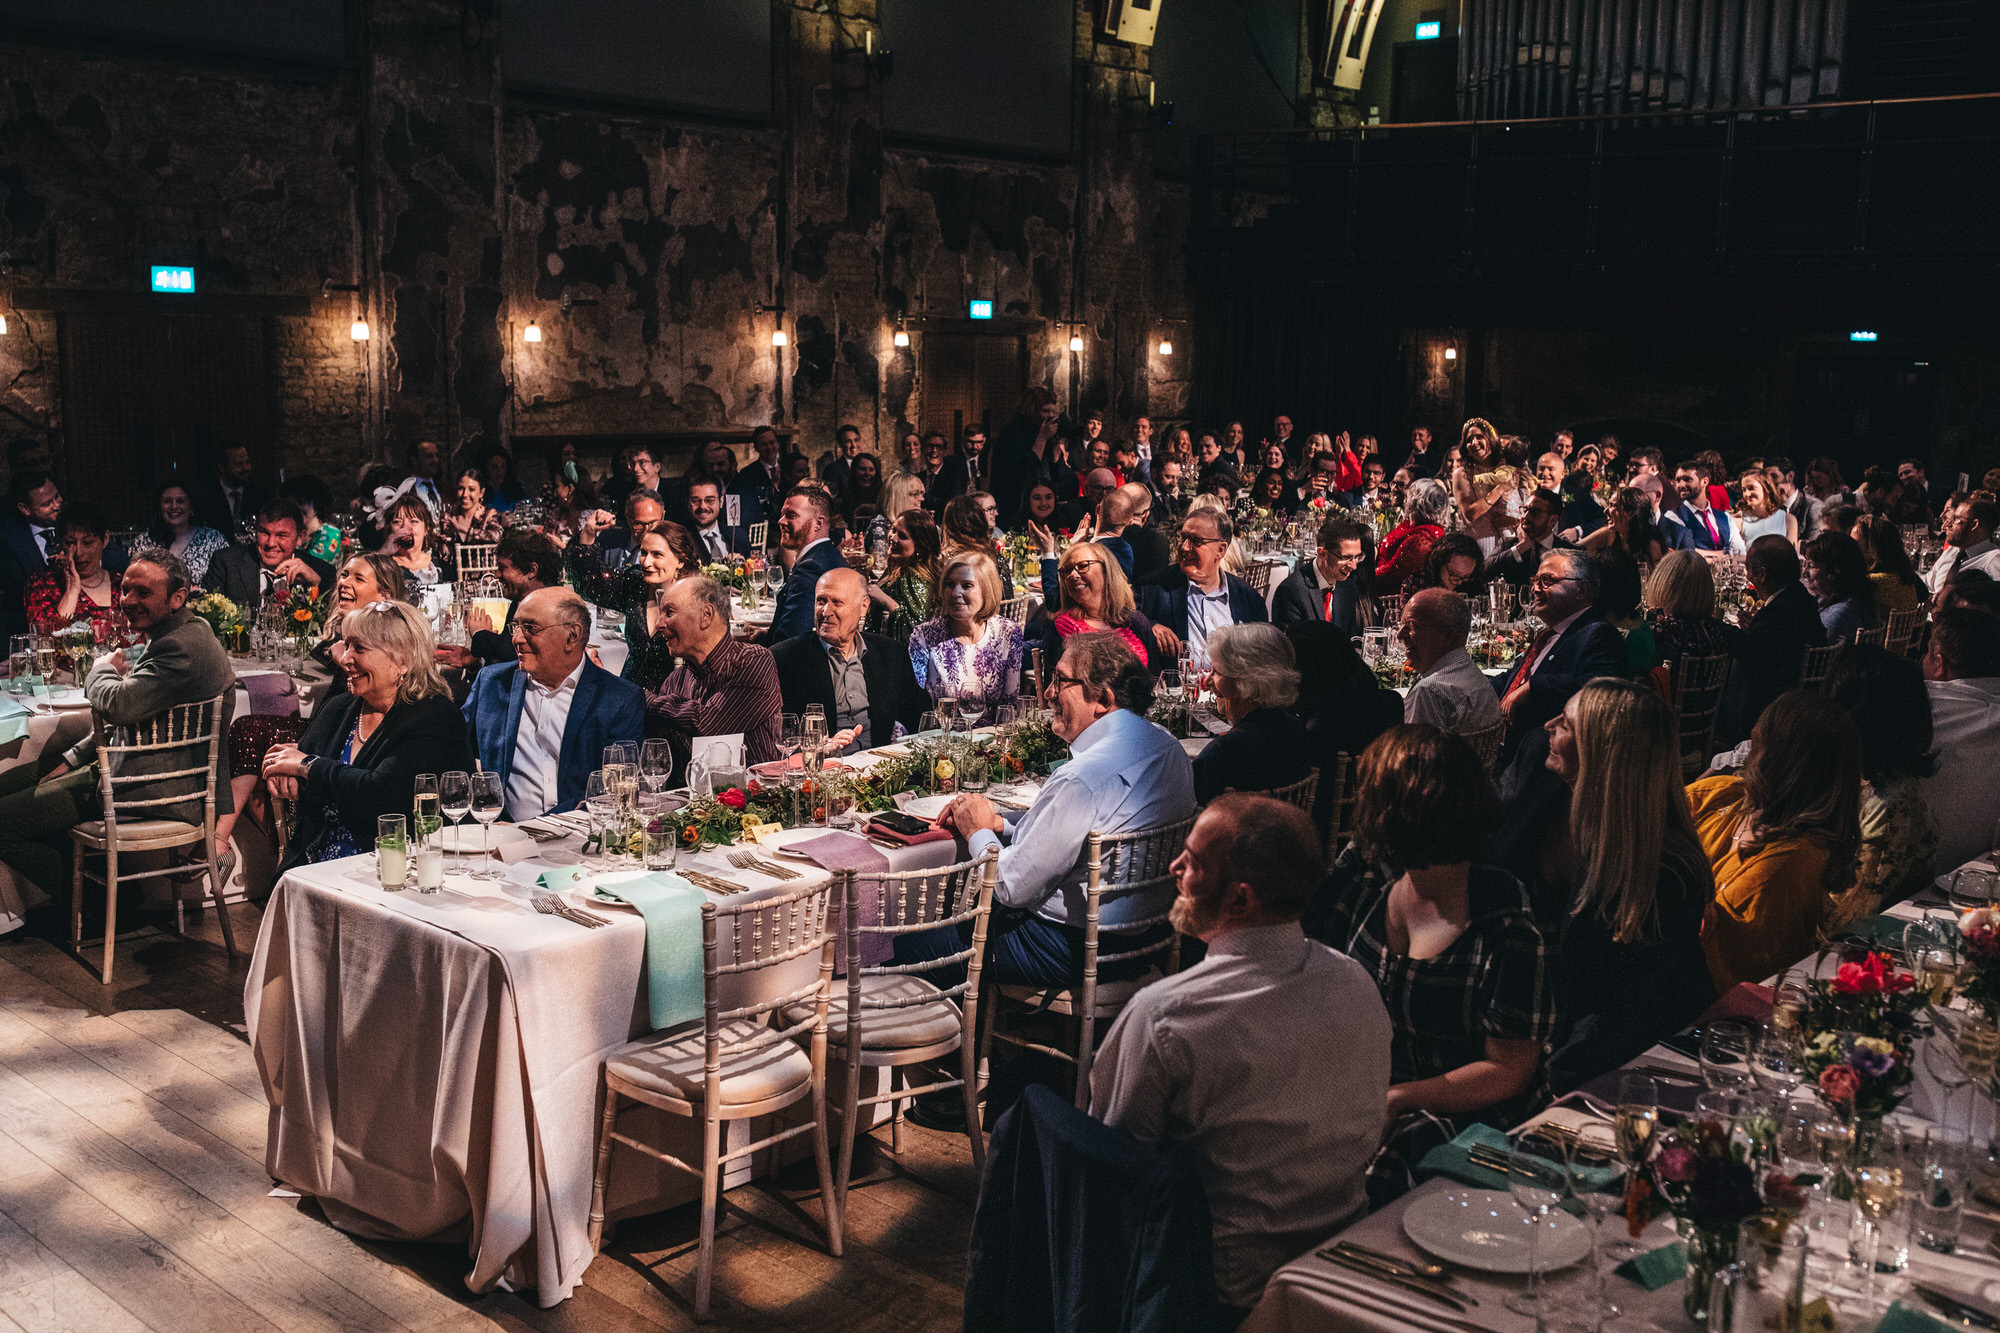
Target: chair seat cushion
[(885, 1029), (1112, 996), (671, 1064), (91, 831)]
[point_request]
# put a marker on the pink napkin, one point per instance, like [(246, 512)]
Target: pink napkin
[(842, 851)]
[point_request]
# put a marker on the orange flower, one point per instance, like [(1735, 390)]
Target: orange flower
[(302, 615)]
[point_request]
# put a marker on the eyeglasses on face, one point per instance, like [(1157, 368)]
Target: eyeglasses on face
[(1195, 539), (1549, 580), (1058, 682)]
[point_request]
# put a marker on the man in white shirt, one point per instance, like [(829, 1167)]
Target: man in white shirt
[(1968, 535), (1269, 1059), (542, 722), (1451, 693), (1962, 668)]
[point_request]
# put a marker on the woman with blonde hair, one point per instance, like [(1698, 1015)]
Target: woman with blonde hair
[(1763, 515), (901, 493), (358, 757), (1094, 597), (1637, 884), (1680, 606), (967, 650)]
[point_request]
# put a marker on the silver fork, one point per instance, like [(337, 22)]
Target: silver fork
[(745, 860), (550, 905)]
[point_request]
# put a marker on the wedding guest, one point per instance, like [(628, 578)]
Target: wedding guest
[(76, 588), (1635, 883), (665, 554), (1038, 506), (1426, 506), (1770, 648), (1962, 671), (1268, 1060), (863, 681), (526, 561), (412, 540), (229, 503), (1093, 598), (1781, 837), (1694, 523), (175, 530), (836, 465), (1030, 447), (542, 721), (27, 538), (1451, 692), (861, 497), (1124, 774), (1836, 574), (965, 524), (1764, 515), (1630, 526), (1885, 696), (361, 751), (1449, 940), (1517, 562), (1332, 587), (1194, 597), (1680, 600), (315, 502), (901, 600), (1130, 509), (1575, 644), (1254, 674), (1968, 533), (40, 803), (246, 575), (967, 650), (723, 687), (804, 523), (471, 521), (903, 492), (715, 539), (1891, 577), (501, 491), (1453, 564)]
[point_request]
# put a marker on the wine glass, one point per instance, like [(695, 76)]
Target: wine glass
[(1594, 1147), (929, 721), (488, 799), (622, 752), (1005, 719), (947, 711), (774, 577), (1538, 1186), (1776, 1061), (1726, 1045), (656, 763), (1873, 1245), (1634, 1123), (455, 803), (970, 711)]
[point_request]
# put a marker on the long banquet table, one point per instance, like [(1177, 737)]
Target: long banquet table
[(1311, 1293), (432, 1060)]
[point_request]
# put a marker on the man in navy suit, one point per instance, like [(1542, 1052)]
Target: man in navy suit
[(759, 482), (1576, 645), (1193, 596), (1693, 524), (542, 722), (803, 523)]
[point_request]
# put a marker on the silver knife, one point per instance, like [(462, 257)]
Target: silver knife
[(1354, 1265), (1390, 1266)]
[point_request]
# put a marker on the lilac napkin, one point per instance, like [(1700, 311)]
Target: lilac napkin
[(844, 851), (272, 692)]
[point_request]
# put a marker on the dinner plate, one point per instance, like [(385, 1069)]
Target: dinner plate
[(68, 697), (1486, 1230), (465, 837)]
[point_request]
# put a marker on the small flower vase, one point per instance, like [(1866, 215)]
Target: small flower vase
[(1710, 1249)]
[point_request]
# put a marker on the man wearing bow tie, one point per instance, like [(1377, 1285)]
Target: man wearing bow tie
[(246, 575)]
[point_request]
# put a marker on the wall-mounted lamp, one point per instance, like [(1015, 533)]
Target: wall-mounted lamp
[(3, 326), (531, 334), (358, 330), (1076, 342), (1451, 354), (1166, 347), (778, 338), (902, 338)]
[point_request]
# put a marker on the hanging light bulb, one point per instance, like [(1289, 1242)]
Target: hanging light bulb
[(531, 334), (1166, 347), (778, 338), (902, 338), (1076, 342), (358, 330), (1451, 354)]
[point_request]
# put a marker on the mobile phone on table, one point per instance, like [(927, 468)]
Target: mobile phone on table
[(907, 825)]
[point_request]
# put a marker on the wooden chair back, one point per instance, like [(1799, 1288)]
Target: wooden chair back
[(1814, 665), (477, 560), (1300, 793), (1017, 608), (1904, 627), (1698, 686), (754, 538)]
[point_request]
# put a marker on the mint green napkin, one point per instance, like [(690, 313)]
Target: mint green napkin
[(672, 908), (1904, 1319), (566, 877), (14, 717), (1454, 1159), (1656, 1268)]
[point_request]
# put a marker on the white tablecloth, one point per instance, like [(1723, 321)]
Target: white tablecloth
[(432, 1061)]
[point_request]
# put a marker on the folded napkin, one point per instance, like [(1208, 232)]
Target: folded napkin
[(1879, 931), (842, 851), (1656, 1268), (909, 839), (14, 717), (1454, 1159), (672, 909), (564, 877), (1746, 999), (1901, 1318), (272, 692)]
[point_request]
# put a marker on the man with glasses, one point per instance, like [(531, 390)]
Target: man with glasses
[(542, 721), (1518, 562), (1194, 595), (1576, 644), (1329, 588)]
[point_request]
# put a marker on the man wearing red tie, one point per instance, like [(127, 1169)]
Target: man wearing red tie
[(1694, 524), (1575, 645)]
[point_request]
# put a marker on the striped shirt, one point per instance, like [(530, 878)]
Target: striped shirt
[(734, 689)]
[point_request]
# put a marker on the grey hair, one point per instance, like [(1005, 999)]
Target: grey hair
[(1426, 501), (706, 589), (400, 630), (1259, 658), (175, 568), (1225, 527), (1585, 568), (572, 610)]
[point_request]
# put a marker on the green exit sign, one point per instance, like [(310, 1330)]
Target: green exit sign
[(172, 279), (1427, 31), (980, 310)]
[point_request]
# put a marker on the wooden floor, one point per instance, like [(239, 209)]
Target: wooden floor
[(133, 1192)]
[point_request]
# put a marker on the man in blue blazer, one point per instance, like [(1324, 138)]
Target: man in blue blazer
[(542, 722), (1194, 595), (803, 524), (1576, 645), (1693, 524)]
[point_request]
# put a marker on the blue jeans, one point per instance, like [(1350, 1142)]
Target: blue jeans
[(1023, 949)]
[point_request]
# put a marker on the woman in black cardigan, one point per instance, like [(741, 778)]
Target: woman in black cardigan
[(357, 759)]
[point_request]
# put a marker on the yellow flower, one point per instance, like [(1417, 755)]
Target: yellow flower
[(1876, 1044)]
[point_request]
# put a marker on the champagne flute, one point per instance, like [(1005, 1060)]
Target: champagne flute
[(1634, 1124), (488, 798), (1595, 1145), (947, 711), (425, 817), (455, 803), (656, 763)]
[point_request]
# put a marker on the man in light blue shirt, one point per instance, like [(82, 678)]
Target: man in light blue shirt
[(1124, 774)]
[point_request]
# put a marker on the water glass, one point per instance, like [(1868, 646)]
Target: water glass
[(659, 844), (1878, 1235), (1941, 1162), (974, 774), (1726, 1046), (392, 859)]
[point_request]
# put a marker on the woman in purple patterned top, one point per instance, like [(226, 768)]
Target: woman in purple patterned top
[(967, 649)]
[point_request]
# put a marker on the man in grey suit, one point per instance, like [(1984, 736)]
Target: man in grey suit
[(182, 663)]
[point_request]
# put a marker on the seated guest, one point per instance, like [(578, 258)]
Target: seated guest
[(76, 587), (863, 681), (1781, 837), (246, 575), (1836, 574), (1517, 560), (174, 529), (967, 650), (1635, 882), (1342, 704), (1268, 1060), (1269, 491), (1885, 696), (1151, 552), (1576, 644), (542, 721), (1968, 523), (1092, 598), (1450, 941), (900, 600), (1962, 675), (1770, 647), (1681, 598), (722, 687), (1038, 506), (861, 496), (1764, 514), (525, 562), (642, 509), (803, 522), (964, 524), (1451, 693), (412, 539), (1454, 564), (183, 664), (471, 521), (1426, 506), (1694, 524), (715, 540), (361, 751), (1124, 774), (665, 554), (1629, 527), (1331, 588), (1193, 597), (1256, 681), (1891, 576)]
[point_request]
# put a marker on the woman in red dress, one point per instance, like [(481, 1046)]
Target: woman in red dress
[(76, 585), (1426, 506)]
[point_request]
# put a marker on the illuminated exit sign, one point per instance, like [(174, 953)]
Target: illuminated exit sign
[(1426, 31), (980, 310), (178, 280)]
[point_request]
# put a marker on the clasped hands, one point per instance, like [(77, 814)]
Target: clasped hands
[(283, 766), (965, 815)]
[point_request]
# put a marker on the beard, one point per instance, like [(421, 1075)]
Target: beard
[(1192, 916)]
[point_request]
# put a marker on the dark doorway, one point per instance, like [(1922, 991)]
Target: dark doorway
[(971, 379), (1423, 80), (1860, 408), (148, 396)]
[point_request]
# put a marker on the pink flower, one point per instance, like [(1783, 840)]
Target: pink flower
[(1675, 1163), (1839, 1082)]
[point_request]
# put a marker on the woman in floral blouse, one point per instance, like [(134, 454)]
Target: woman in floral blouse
[(76, 585), (968, 650), (175, 530)]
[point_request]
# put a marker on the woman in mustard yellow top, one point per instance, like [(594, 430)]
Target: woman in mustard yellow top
[(1781, 837)]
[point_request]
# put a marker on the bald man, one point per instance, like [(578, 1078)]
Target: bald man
[(863, 681)]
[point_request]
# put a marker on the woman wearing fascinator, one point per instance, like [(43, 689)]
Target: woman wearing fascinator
[(408, 517)]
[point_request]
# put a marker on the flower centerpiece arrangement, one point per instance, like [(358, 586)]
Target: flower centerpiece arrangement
[(223, 616), (1979, 979), (1858, 1036), (735, 574), (302, 615)]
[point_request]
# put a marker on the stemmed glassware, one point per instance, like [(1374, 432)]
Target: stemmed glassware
[(947, 711), (1594, 1146), (774, 577), (656, 764), (455, 803), (488, 799), (1538, 1186), (970, 711), (1726, 1046), (1635, 1121), (600, 807)]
